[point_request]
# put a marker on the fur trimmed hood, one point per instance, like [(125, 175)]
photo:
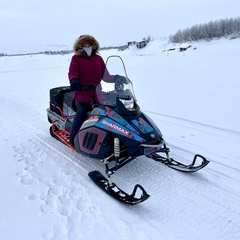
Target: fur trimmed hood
[(77, 47)]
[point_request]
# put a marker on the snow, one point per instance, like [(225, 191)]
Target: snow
[(193, 97)]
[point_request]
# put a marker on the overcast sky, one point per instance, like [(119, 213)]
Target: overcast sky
[(38, 25)]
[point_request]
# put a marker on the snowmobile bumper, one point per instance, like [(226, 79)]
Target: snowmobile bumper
[(151, 148)]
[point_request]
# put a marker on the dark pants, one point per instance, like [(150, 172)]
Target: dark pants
[(81, 114)]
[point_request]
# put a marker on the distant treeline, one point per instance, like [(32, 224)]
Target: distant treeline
[(62, 52), (208, 31)]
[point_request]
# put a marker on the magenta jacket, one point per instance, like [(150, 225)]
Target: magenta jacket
[(89, 70)]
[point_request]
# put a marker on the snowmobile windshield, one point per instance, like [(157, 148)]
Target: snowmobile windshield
[(115, 85)]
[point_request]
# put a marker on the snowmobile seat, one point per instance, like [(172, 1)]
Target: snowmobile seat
[(62, 99)]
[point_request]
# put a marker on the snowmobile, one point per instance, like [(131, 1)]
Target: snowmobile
[(115, 132)]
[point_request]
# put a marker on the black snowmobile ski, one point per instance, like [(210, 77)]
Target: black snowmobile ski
[(170, 162), (113, 190)]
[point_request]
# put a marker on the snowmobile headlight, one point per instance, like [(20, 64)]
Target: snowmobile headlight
[(128, 104)]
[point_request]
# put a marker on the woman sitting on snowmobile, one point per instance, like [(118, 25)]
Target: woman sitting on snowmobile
[(86, 70)]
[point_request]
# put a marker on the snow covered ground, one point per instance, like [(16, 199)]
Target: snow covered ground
[(193, 97)]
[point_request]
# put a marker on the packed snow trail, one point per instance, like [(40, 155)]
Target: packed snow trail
[(193, 202), (46, 184)]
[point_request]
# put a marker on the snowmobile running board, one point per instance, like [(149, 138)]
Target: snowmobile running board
[(116, 192), (170, 162)]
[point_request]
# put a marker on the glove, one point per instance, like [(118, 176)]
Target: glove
[(75, 84), (120, 79)]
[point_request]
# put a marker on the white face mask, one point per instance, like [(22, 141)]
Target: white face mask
[(88, 50)]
